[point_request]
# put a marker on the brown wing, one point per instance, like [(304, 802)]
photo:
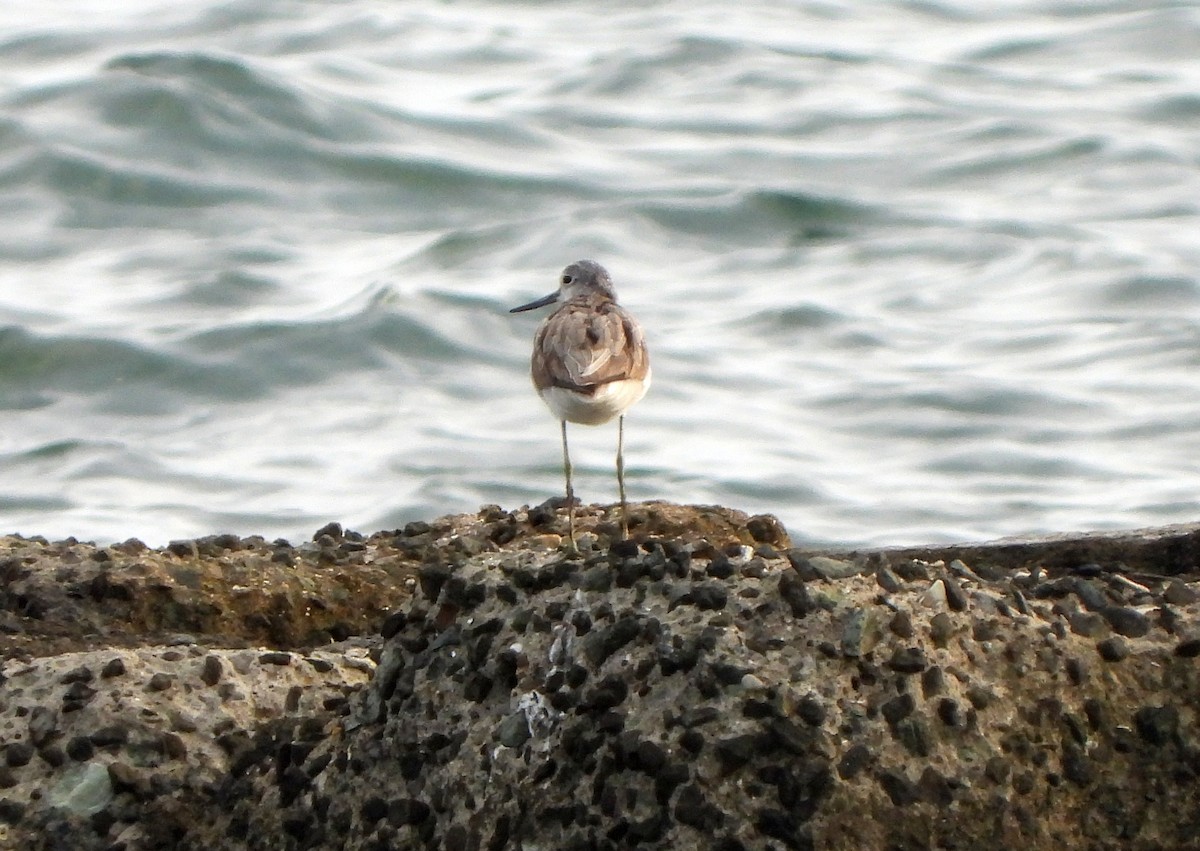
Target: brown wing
[(582, 346)]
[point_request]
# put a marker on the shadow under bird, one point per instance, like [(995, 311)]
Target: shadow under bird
[(589, 363)]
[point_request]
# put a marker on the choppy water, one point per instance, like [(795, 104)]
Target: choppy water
[(910, 272)]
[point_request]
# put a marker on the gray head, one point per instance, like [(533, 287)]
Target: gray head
[(579, 280)]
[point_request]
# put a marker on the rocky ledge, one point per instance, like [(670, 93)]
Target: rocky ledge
[(468, 684)]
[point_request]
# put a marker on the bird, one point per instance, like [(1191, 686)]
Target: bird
[(590, 363)]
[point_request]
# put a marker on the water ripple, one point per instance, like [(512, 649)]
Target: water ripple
[(909, 272)]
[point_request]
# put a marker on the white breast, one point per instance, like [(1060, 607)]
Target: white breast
[(609, 401)]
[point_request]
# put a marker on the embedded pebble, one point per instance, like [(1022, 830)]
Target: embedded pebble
[(985, 630), (1157, 725), (80, 748), (908, 660), (1128, 622), (755, 568), (212, 669), (831, 568), (941, 628), (888, 580), (1087, 624), (980, 696), (932, 681), (902, 625), (17, 754), (82, 791), (911, 570), (856, 758), (1181, 594), (82, 674), (1188, 649), (43, 723), (949, 712), (902, 791), (1091, 595), (1113, 649), (861, 633), (955, 597), (513, 731)]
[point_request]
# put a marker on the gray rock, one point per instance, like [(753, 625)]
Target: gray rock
[(1180, 594), (210, 673), (811, 711), (596, 579), (913, 733), (52, 755), (899, 788), (1128, 622), (1091, 595), (935, 595), (980, 696), (794, 591), (1113, 649), (902, 625), (755, 568), (1087, 624), (941, 628), (11, 812), (908, 660), (911, 570), (856, 758), (832, 568), (80, 748), (184, 549), (735, 751), (686, 726), (956, 597), (959, 568), (949, 713), (984, 630), (43, 723), (111, 736), (861, 633), (932, 681), (599, 644), (77, 695), (997, 770), (82, 791), (1188, 648), (82, 674), (18, 754), (709, 596), (1157, 725), (898, 708), (935, 788), (888, 580)]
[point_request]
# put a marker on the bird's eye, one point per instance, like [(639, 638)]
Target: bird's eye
[(566, 279)]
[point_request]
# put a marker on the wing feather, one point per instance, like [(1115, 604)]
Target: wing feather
[(583, 346)]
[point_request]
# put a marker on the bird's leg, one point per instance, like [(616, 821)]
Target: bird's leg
[(621, 476), (570, 491)]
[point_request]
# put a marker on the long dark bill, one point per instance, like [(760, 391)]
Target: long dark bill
[(541, 302)]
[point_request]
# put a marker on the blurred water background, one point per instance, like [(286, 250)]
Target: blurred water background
[(910, 271)]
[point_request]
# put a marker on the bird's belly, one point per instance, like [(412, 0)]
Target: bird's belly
[(610, 400)]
